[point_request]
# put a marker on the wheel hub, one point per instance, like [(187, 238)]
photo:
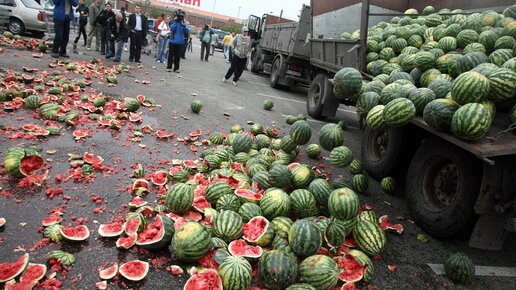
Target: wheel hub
[(378, 148), (445, 184)]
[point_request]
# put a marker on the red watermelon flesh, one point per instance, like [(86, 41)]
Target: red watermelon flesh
[(33, 273), (386, 226), (137, 202), (135, 270), (132, 226), (241, 248), (349, 286), (248, 194), (255, 228), (2, 222), (30, 164), (101, 285), (206, 280), (128, 242), (200, 203), (54, 218), (109, 272), (29, 127), (160, 178), (79, 233), (13, 285), (153, 232), (9, 271), (179, 222), (192, 215), (111, 230), (350, 268)]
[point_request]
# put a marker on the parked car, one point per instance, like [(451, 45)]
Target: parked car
[(220, 34), (24, 15)]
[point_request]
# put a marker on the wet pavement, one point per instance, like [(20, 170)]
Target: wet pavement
[(103, 199)]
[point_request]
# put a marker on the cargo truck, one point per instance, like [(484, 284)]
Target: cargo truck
[(450, 186)]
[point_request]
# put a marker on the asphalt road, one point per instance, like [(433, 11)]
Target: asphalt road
[(224, 106)]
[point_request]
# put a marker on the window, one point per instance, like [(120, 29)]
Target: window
[(31, 4), (8, 3)]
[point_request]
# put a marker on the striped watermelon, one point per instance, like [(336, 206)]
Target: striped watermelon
[(470, 61), (466, 37), (398, 45), (502, 85), (279, 176), (343, 203), (389, 185), (428, 10), (448, 43), (340, 182), (459, 267), (229, 202), (415, 41), (441, 87), (500, 56), (300, 132), (366, 102), (228, 226), (302, 176), (356, 166), (391, 92), (488, 39), (341, 156), (313, 151), (400, 76), (321, 190), (369, 237), (32, 102), (474, 47), (216, 190), (374, 86), (331, 135), (438, 114), (347, 82), (428, 76), (375, 119), (408, 63), (287, 144), (242, 143), (507, 42), (275, 202), (319, 271), (469, 87), (336, 232), (443, 62), (363, 260), (360, 183), (420, 98), (303, 204), (471, 122), (512, 114), (386, 53), (304, 238), (398, 112), (262, 178), (281, 226), (191, 242), (248, 211), (433, 20), (236, 273), (179, 197), (424, 60), (277, 270)]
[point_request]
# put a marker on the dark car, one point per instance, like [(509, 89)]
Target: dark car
[(220, 34)]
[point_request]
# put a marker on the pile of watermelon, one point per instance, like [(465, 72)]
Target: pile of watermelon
[(455, 70), (7, 39)]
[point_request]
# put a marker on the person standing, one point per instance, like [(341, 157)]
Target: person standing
[(214, 43), (178, 29), (230, 53), (117, 35), (226, 42), (206, 34), (158, 22), (241, 48), (164, 35), (185, 44), (138, 27), (83, 11), (94, 27), (105, 15), (63, 14)]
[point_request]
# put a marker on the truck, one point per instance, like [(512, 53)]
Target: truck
[(453, 188)]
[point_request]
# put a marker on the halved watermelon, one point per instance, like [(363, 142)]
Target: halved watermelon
[(200, 204), (158, 234), (109, 272), (29, 127), (111, 230), (54, 218), (135, 270), (13, 285), (102, 285), (134, 225), (386, 226), (241, 248), (33, 273), (126, 243), (30, 164), (139, 183), (137, 202), (77, 234), (350, 268), (160, 178), (206, 279), (247, 195), (10, 271), (258, 231)]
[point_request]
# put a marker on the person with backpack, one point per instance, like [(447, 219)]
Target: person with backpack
[(83, 11), (94, 26), (105, 15), (164, 35), (206, 35)]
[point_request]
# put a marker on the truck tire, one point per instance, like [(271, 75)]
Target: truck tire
[(382, 152), (442, 186), (255, 61), (314, 105), (275, 74)]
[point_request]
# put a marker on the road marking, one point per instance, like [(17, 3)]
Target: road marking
[(255, 83), (481, 270)]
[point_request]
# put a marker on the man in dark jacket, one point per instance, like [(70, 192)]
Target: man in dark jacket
[(137, 24), (206, 35), (105, 15), (83, 20), (63, 14), (178, 29), (117, 35)]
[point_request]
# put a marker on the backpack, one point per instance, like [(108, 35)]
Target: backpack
[(206, 37)]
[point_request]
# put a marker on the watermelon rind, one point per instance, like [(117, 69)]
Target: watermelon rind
[(83, 233), (12, 270), (207, 280), (109, 273), (109, 230), (134, 270)]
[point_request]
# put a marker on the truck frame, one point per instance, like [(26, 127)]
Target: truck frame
[(450, 186)]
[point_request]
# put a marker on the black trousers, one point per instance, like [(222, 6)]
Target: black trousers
[(237, 67), (104, 41), (135, 50), (82, 30), (62, 34), (174, 55)]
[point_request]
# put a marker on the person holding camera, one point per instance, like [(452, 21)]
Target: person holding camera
[(164, 34), (178, 29), (138, 27), (241, 49), (105, 15), (63, 14), (118, 33), (206, 35), (83, 11)]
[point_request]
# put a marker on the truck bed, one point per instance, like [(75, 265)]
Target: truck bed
[(334, 54)]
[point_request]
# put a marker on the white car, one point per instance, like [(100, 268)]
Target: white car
[(25, 15)]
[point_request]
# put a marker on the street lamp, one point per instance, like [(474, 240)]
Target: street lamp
[(212, 12)]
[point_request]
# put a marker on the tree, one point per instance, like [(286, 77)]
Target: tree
[(155, 13), (144, 4)]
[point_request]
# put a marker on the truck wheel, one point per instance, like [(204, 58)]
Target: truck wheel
[(314, 105), (275, 75), (381, 152), (255, 61), (442, 186)]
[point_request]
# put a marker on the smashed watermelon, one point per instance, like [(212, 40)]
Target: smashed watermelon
[(206, 279), (10, 271), (386, 226), (109, 272), (75, 234), (135, 270), (350, 269), (111, 230), (127, 242)]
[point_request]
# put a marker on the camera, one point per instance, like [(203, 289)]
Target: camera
[(180, 14)]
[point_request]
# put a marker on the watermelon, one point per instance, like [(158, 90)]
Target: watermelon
[(388, 185), (242, 249), (502, 85), (420, 98), (441, 87), (179, 197), (205, 279), (428, 10), (75, 234), (191, 242), (360, 183), (319, 271), (275, 202), (300, 132), (20, 162), (500, 56), (248, 211), (470, 60), (216, 190), (228, 226), (438, 113), (366, 102), (488, 39), (303, 203), (330, 136), (258, 231), (111, 230), (134, 270), (135, 223), (505, 42), (268, 104), (157, 235), (347, 82), (302, 176), (398, 112), (10, 271), (469, 87), (350, 269), (229, 202), (386, 226), (369, 237), (448, 43), (247, 195), (343, 203), (304, 238), (279, 176), (196, 106), (281, 226), (242, 143), (336, 232), (512, 114), (277, 270), (466, 37), (471, 122), (126, 242), (236, 273), (341, 156), (109, 272), (459, 267), (313, 151), (424, 60)]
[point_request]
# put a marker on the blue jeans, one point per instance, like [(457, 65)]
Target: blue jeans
[(162, 47), (119, 49), (226, 50), (230, 53)]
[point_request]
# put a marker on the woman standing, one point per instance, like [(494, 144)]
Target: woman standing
[(241, 49), (164, 35)]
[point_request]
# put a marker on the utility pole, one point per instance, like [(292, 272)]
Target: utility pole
[(212, 12), (238, 15)]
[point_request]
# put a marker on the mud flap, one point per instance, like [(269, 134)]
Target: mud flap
[(488, 234)]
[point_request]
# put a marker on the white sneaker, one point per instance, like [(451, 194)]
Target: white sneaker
[(125, 48), (87, 48), (224, 80), (158, 61), (234, 83)]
